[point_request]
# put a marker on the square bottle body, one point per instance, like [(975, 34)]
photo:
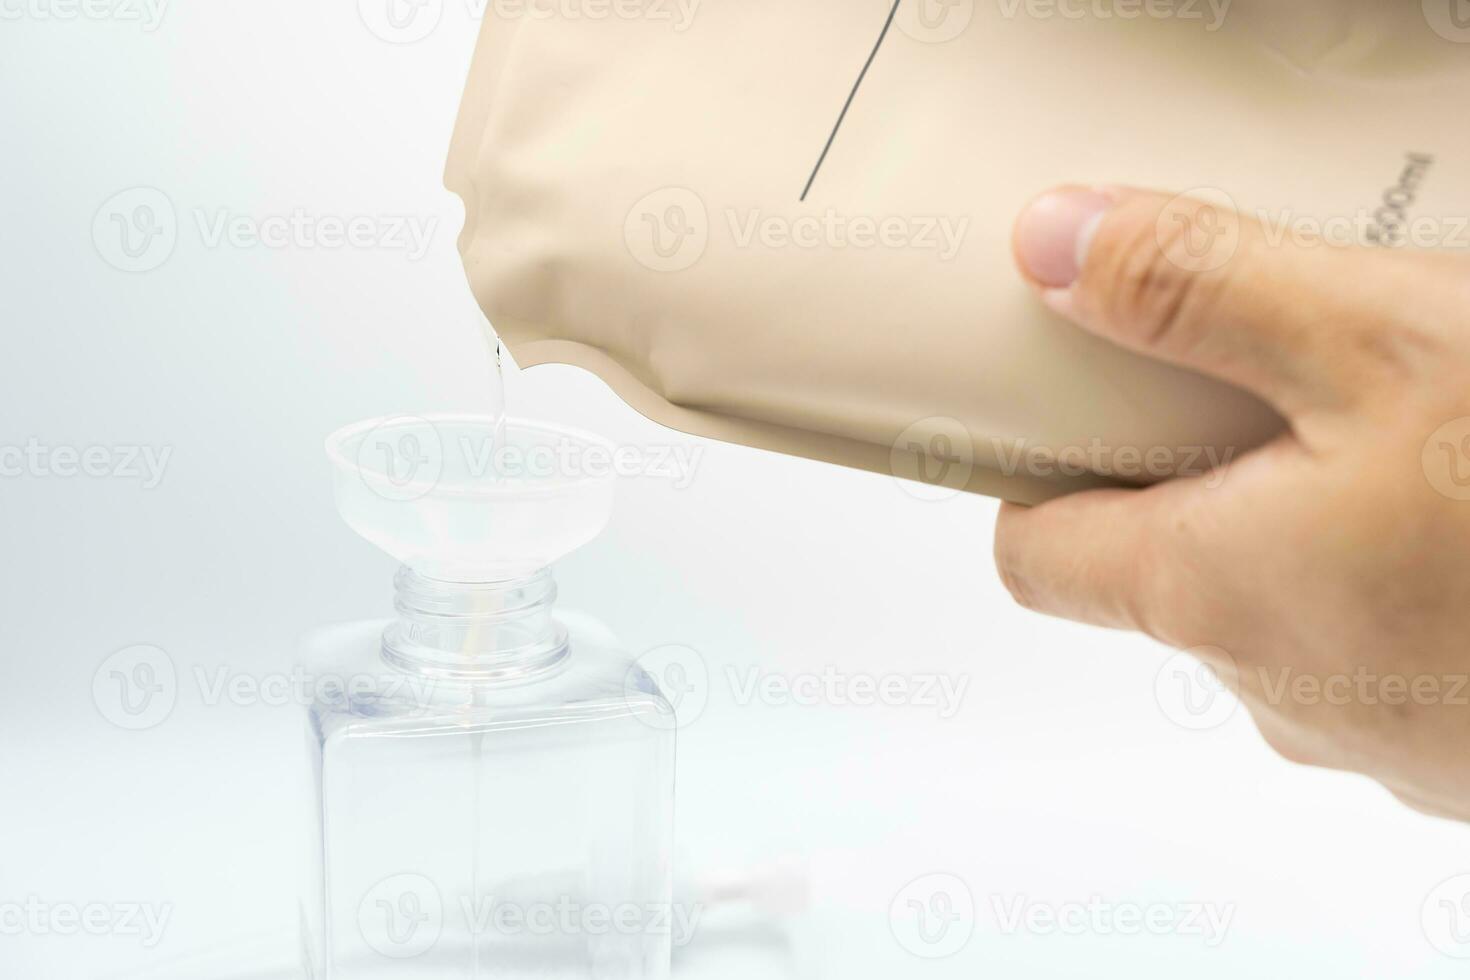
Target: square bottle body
[(466, 827)]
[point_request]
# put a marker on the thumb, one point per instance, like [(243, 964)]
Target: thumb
[(1191, 281)]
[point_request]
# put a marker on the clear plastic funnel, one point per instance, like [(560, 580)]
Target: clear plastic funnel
[(469, 498)]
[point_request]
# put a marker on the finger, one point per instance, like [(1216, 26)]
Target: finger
[(1163, 561), (1114, 558), (1192, 282)]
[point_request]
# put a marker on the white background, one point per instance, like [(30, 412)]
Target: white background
[(1060, 781)]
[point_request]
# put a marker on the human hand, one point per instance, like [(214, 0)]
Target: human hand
[(1326, 576)]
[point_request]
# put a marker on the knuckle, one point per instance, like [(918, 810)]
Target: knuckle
[(1167, 598), (1157, 286), (1145, 611)]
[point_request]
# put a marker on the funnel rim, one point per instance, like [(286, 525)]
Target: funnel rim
[(335, 444)]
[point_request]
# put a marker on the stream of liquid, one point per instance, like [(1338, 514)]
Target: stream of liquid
[(497, 395), (477, 738)]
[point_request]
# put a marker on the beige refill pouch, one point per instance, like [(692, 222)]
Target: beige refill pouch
[(644, 199)]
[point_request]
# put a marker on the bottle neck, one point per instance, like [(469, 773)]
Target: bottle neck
[(495, 631)]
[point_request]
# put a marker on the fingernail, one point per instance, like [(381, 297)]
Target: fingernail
[(1054, 233)]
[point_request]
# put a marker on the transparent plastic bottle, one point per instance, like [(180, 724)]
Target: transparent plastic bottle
[(493, 779)]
